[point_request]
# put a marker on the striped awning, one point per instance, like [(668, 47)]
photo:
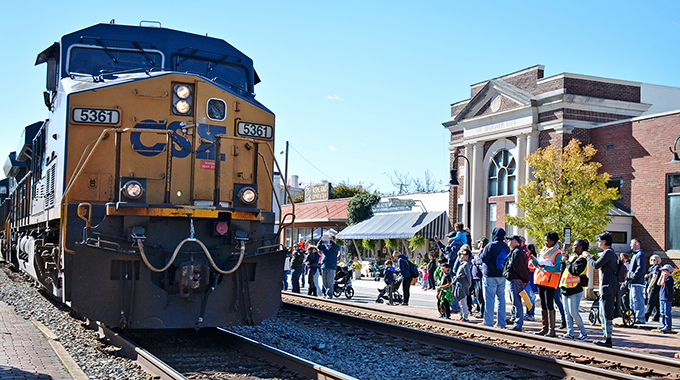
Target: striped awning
[(399, 226)]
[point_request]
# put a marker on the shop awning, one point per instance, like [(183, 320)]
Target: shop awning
[(399, 226)]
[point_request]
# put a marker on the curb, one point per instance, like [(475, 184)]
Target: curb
[(71, 367)]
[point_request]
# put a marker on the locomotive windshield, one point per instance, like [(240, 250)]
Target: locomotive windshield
[(233, 75), (96, 60)]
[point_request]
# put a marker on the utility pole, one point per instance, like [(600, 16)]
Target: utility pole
[(285, 177)]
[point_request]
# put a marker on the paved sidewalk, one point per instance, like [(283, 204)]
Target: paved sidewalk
[(25, 353)]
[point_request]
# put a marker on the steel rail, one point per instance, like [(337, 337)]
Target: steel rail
[(580, 352), (147, 361), (294, 363)]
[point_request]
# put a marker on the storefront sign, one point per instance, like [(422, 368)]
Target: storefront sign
[(318, 192), (393, 204)]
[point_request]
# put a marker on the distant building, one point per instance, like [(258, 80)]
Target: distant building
[(631, 124), (279, 190)]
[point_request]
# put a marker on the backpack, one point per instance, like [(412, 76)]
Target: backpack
[(500, 260), (622, 270), (412, 268)]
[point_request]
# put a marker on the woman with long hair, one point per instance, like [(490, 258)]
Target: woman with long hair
[(547, 277)]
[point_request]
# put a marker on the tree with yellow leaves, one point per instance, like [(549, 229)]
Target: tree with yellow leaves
[(567, 190)]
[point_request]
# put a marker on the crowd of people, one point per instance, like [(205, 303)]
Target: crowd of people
[(468, 283)]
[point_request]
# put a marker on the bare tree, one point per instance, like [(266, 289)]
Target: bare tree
[(406, 184)]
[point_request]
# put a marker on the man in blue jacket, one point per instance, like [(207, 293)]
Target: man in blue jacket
[(329, 264), (493, 257), (636, 281)]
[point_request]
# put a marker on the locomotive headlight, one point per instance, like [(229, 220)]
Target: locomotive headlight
[(183, 106), (182, 91), (182, 99), (247, 195), (133, 190)]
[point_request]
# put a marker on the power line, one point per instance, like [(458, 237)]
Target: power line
[(303, 157)]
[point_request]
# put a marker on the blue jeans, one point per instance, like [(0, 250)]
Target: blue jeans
[(297, 272), (328, 279), (666, 319), (285, 279), (516, 286), (637, 301), (573, 301), (494, 289), (558, 302)]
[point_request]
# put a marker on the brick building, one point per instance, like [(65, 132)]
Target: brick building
[(631, 124)]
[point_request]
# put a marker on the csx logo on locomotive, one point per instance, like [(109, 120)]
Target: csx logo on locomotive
[(181, 146)]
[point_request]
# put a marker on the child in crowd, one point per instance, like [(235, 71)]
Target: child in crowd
[(445, 294), (666, 297), (388, 276), (462, 282)]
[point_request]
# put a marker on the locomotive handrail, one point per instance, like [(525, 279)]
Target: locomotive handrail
[(269, 173), (79, 170)]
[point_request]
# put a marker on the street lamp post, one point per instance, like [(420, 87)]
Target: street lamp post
[(676, 158), (454, 182)]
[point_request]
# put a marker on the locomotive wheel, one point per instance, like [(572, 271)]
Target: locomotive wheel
[(349, 292)]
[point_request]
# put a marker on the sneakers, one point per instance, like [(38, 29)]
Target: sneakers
[(666, 330), (529, 318), (582, 337), (404, 304), (516, 328), (567, 336), (604, 343)]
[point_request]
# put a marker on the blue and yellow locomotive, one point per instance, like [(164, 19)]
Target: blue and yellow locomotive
[(145, 199)]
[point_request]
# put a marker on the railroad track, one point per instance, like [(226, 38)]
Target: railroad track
[(558, 357), (159, 370)]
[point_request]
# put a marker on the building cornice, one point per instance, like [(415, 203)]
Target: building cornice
[(588, 78)]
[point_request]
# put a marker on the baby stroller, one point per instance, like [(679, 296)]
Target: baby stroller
[(343, 282), (377, 271), (390, 293), (626, 312)]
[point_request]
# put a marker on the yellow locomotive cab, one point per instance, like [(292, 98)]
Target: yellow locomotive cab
[(153, 175)]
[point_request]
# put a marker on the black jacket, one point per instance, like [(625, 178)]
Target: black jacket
[(516, 266), (575, 268)]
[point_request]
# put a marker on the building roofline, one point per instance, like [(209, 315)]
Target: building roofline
[(589, 78), (515, 73)]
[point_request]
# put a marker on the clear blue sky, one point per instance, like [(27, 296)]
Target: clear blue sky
[(360, 88)]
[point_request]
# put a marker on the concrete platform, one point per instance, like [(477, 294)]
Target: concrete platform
[(27, 354)]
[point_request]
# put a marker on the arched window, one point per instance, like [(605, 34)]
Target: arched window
[(502, 174)]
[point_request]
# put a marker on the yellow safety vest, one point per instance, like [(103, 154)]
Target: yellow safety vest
[(568, 280)]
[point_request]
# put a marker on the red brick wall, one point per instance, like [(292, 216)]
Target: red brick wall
[(457, 136), (637, 153), (572, 114), (455, 109), (500, 202), (526, 81), (592, 88)]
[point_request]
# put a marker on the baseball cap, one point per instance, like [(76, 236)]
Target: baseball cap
[(516, 238), (483, 239), (667, 267), (466, 229)]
